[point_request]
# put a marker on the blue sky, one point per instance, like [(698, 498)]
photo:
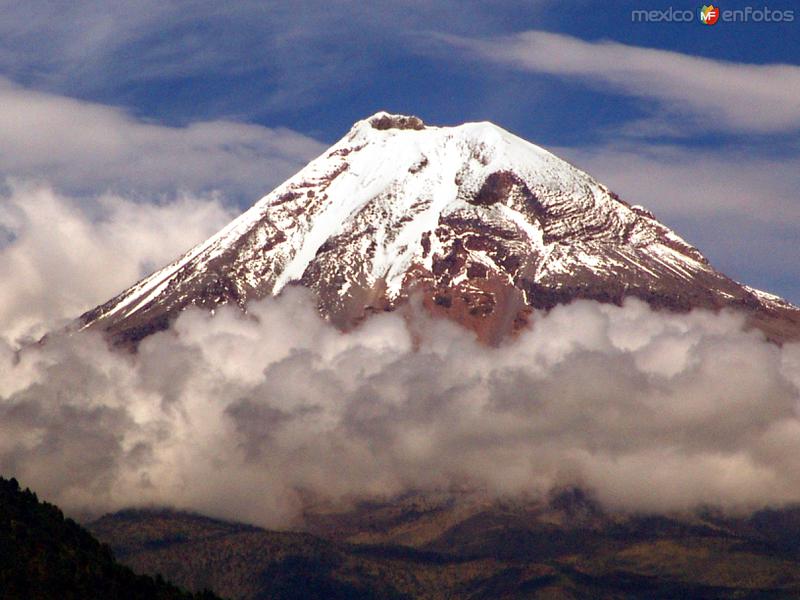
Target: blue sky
[(698, 123)]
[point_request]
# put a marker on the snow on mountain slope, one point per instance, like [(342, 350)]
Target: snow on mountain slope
[(484, 225)]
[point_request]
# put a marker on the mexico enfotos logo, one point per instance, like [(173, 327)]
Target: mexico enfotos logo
[(711, 15)]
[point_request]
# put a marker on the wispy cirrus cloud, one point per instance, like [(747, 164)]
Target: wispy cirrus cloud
[(85, 147), (710, 94), (255, 56)]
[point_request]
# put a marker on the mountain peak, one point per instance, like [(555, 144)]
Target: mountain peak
[(483, 224)]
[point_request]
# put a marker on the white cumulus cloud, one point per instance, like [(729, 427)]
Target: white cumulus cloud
[(60, 256)]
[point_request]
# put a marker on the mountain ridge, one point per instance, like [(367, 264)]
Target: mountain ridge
[(487, 227), (565, 546)]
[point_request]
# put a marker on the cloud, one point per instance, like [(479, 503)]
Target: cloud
[(86, 148), (62, 255), (247, 417), (258, 56), (704, 93)]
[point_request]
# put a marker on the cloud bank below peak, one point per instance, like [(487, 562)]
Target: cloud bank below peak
[(244, 417)]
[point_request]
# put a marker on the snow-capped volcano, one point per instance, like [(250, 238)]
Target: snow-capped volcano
[(484, 225)]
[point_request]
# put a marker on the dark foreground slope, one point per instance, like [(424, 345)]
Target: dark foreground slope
[(44, 556), (567, 548)]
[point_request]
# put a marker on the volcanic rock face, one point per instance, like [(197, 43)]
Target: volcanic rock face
[(482, 224)]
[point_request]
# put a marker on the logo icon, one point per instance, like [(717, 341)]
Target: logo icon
[(709, 14)]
